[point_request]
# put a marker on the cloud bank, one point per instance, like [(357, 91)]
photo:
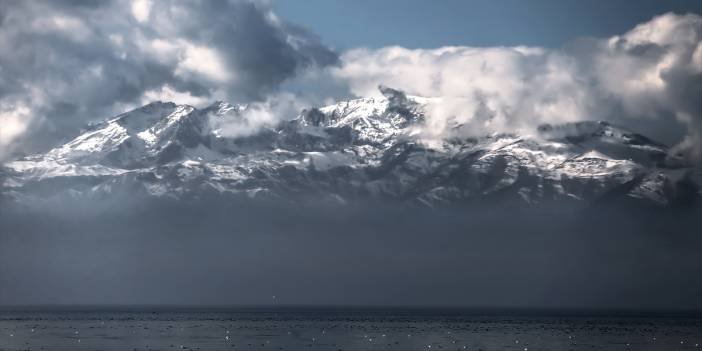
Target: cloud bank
[(651, 73), (63, 63)]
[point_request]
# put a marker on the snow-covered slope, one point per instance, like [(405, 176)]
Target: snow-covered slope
[(352, 150)]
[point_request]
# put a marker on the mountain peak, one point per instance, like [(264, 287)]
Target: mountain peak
[(586, 130), (392, 94)]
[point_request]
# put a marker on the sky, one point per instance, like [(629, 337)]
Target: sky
[(429, 24)]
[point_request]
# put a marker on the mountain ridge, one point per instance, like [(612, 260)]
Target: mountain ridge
[(366, 148)]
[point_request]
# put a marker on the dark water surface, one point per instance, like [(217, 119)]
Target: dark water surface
[(339, 329)]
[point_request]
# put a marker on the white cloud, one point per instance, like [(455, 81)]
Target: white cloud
[(192, 61), (257, 115), (204, 61), (13, 122), (650, 72), (697, 59), (141, 9), (167, 93), (481, 89)]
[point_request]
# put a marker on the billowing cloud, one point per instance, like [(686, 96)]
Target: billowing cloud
[(651, 73), (67, 62), (13, 122), (477, 90)]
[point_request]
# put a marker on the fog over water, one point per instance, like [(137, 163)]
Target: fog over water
[(231, 253)]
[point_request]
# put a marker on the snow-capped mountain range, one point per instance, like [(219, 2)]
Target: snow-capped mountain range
[(352, 150)]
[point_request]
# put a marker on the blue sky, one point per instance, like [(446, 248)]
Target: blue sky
[(428, 24)]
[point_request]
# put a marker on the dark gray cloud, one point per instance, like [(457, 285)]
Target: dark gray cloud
[(63, 63)]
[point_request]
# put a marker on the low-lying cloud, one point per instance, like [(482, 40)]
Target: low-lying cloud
[(256, 116)]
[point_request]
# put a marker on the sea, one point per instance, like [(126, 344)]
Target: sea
[(337, 328)]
